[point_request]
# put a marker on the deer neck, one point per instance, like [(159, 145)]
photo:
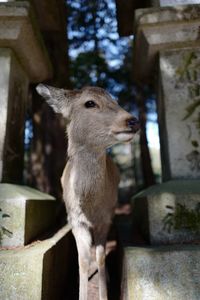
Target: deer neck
[(89, 159)]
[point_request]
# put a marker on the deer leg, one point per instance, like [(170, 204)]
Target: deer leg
[(100, 258), (83, 242), (100, 242)]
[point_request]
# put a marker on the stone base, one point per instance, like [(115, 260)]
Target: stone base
[(25, 213), (38, 271), (169, 213), (168, 273)]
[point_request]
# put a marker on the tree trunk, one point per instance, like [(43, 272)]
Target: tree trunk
[(48, 151)]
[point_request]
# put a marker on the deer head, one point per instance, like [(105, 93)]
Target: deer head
[(94, 118)]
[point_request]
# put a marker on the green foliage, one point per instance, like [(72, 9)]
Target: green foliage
[(187, 218), (182, 218)]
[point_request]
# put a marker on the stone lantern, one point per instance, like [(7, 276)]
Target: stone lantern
[(167, 54)]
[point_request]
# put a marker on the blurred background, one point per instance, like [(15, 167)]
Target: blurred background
[(95, 55)]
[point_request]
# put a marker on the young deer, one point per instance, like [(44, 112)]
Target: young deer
[(90, 178)]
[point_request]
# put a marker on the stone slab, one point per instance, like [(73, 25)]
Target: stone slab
[(161, 273), (178, 113), (40, 271), (154, 31), (25, 213), (169, 213), (19, 31)]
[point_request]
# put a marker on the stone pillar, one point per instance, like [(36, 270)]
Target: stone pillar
[(179, 113), (167, 45), (24, 213), (14, 90), (23, 60)]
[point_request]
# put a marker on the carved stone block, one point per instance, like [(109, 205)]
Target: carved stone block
[(169, 213), (25, 214)]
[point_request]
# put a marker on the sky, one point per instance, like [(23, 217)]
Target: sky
[(153, 135)]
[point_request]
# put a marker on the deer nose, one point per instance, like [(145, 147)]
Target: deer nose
[(134, 124)]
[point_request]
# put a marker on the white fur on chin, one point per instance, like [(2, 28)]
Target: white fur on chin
[(124, 137)]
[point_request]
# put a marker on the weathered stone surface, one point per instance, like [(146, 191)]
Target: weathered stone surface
[(154, 30), (178, 111), (24, 214), (38, 271), (14, 89), (173, 2), (161, 273), (19, 31), (169, 213)]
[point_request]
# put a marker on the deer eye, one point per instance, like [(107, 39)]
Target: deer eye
[(90, 104)]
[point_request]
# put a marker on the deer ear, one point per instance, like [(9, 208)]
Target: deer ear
[(58, 99)]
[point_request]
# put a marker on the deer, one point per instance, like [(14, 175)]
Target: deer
[(94, 123)]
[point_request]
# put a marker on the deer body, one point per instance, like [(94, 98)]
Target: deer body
[(89, 184), (90, 178)]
